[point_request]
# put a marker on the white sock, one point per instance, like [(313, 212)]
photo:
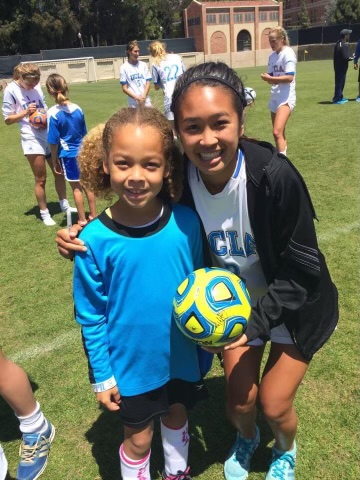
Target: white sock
[(176, 448), (64, 202), (134, 469), (33, 423), (284, 151)]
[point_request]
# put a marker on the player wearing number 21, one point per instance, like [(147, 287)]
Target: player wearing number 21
[(135, 77)]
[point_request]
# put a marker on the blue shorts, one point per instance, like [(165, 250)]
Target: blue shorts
[(71, 169)]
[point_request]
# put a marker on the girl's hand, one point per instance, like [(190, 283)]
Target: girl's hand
[(240, 342), (57, 167), (31, 108), (266, 77), (68, 243), (110, 399)]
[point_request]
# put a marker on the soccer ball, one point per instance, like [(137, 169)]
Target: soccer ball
[(38, 119), (212, 307), (250, 95)]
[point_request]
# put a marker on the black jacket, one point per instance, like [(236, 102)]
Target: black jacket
[(341, 56), (300, 291)]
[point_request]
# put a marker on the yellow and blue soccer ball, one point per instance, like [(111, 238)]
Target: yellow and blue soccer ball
[(212, 307)]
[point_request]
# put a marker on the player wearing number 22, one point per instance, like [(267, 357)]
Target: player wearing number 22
[(166, 69)]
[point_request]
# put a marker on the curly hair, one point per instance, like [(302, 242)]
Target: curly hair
[(97, 144), (90, 161), (57, 88)]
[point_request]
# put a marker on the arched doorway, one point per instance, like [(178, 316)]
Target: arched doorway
[(243, 41), (218, 43)]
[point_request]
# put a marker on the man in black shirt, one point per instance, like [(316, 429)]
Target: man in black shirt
[(341, 62)]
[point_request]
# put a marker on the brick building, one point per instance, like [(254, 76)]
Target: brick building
[(225, 27), (316, 10)]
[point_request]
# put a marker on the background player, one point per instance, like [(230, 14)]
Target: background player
[(356, 66), (21, 98), (37, 431), (141, 364), (281, 77), (342, 58), (166, 69), (135, 77), (66, 129)]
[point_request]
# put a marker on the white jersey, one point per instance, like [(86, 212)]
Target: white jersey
[(165, 75), (17, 99), (283, 63), (227, 225), (135, 77)]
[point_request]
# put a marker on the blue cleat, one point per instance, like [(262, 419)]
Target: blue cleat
[(34, 453), (237, 465), (282, 465)]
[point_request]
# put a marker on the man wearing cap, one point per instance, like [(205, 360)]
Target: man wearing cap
[(341, 62), (356, 66)]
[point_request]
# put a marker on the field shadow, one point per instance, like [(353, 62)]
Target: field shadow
[(54, 208), (329, 102), (9, 430), (211, 438)]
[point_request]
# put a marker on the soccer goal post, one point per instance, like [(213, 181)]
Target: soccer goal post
[(74, 70)]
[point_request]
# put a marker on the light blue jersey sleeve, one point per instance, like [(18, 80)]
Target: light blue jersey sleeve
[(90, 301)]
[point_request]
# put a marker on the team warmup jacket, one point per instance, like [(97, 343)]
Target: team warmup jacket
[(341, 56), (300, 291)]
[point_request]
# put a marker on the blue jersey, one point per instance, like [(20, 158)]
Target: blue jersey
[(124, 287), (67, 128)]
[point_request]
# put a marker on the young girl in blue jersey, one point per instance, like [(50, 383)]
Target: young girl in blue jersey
[(138, 252), (259, 222), (66, 129), (281, 76)]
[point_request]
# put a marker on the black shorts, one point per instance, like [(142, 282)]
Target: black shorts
[(138, 411)]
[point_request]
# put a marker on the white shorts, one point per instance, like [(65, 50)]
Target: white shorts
[(274, 104), (35, 146), (279, 334), (167, 112)]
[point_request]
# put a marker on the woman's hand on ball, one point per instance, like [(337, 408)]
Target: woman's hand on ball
[(239, 342)]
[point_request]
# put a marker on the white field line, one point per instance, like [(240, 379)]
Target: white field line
[(60, 342), (333, 234), (72, 336)]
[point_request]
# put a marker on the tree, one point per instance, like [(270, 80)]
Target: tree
[(344, 11), (303, 16)]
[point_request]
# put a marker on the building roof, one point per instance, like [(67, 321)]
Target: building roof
[(238, 3)]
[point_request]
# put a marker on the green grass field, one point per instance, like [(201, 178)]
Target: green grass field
[(37, 328)]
